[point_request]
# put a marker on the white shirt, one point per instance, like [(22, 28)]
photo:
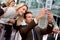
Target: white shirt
[(56, 36), (45, 37), (18, 36), (23, 23)]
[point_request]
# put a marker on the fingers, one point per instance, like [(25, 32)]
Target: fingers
[(43, 10), (41, 14)]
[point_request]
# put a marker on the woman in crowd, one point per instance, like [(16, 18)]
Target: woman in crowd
[(10, 13), (8, 3)]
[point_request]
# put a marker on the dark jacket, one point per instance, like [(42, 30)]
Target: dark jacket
[(1, 11), (26, 29), (40, 32), (51, 37), (57, 19)]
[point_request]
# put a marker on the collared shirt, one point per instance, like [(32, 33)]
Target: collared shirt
[(56, 35), (45, 37), (18, 36)]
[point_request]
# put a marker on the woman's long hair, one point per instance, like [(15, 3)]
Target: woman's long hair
[(19, 18)]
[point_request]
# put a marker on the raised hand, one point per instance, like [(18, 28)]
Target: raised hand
[(41, 14)]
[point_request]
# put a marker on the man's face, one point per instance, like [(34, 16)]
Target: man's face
[(56, 30), (29, 18)]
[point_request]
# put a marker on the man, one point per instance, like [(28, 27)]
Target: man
[(36, 33), (56, 33)]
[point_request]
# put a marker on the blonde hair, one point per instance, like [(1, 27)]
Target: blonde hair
[(7, 3), (20, 5), (20, 18)]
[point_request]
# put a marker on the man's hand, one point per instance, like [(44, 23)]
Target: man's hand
[(41, 14)]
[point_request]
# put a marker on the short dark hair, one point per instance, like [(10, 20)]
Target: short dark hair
[(26, 14), (1, 11)]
